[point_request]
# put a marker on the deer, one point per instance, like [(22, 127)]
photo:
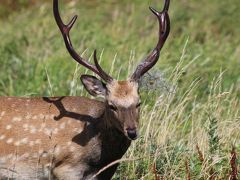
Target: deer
[(75, 137)]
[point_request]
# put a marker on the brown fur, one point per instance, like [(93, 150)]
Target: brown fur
[(123, 93), (65, 137), (57, 137), (122, 89)]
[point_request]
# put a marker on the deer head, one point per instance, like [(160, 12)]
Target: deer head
[(121, 97)]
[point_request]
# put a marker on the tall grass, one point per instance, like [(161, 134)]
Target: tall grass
[(179, 128)]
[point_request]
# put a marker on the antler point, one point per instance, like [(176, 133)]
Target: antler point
[(154, 11)]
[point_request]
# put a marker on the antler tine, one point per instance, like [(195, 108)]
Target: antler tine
[(65, 29), (164, 29), (105, 76), (166, 5)]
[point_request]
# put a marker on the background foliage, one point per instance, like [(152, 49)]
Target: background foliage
[(195, 86)]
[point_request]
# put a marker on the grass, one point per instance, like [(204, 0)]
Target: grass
[(191, 121)]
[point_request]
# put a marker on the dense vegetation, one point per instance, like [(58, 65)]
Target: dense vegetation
[(191, 111)]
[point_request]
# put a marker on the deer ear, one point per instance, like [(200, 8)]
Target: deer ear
[(94, 86)]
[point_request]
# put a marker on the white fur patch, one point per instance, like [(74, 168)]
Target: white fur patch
[(2, 137), (17, 119), (9, 141), (8, 127)]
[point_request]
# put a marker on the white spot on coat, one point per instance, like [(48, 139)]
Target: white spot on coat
[(9, 141), (55, 131), (3, 113), (33, 130), (62, 125), (17, 143), (48, 131), (41, 116), (38, 141), (17, 119), (24, 140), (28, 116), (2, 137), (31, 143), (25, 126), (8, 127)]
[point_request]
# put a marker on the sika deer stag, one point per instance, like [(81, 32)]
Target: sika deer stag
[(74, 137)]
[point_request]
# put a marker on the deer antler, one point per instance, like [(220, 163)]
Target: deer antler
[(164, 29), (65, 29)]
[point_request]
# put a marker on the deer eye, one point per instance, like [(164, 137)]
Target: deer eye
[(112, 107), (138, 105)]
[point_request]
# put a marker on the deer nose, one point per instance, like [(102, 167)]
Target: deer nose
[(132, 133)]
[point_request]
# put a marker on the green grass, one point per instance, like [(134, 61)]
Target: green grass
[(196, 82)]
